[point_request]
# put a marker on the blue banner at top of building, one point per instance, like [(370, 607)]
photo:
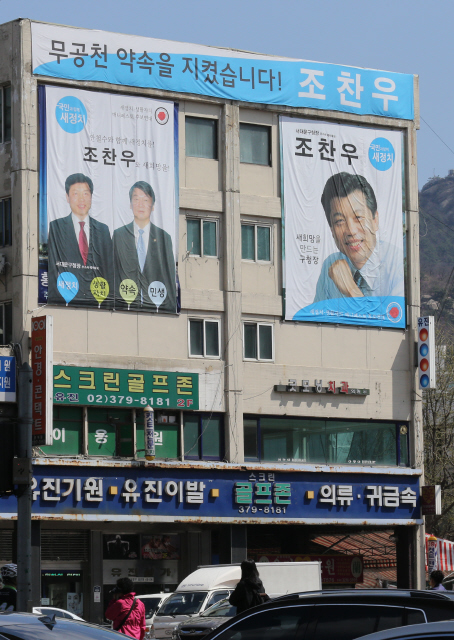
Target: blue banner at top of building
[(101, 56)]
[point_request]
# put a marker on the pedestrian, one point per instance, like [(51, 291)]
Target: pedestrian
[(8, 594), (436, 578), (249, 592), (126, 611)]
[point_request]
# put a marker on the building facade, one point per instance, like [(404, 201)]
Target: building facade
[(273, 426)]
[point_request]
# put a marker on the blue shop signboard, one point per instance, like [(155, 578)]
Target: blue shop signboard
[(232, 495)]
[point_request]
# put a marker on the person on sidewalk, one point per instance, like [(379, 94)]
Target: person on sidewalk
[(126, 611), (249, 592), (8, 594), (436, 578)]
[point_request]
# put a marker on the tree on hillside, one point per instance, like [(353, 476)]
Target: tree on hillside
[(438, 425)]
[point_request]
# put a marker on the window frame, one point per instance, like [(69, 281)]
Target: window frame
[(3, 221), (2, 106), (199, 455), (201, 221), (216, 138), (400, 451), (270, 144), (245, 223), (258, 325), (204, 321)]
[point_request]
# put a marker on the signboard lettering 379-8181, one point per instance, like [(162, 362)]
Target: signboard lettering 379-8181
[(122, 387)]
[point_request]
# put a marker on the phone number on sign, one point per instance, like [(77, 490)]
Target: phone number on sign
[(264, 509), (104, 399)]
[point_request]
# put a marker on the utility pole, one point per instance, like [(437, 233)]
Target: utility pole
[(24, 499)]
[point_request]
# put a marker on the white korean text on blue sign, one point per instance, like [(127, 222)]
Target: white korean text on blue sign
[(79, 54)]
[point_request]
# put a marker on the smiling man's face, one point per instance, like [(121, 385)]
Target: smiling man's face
[(354, 227)]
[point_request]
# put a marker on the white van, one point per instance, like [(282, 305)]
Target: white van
[(209, 584)]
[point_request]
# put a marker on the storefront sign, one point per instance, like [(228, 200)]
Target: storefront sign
[(160, 494), (84, 55), (336, 569), (149, 433), (7, 379), (97, 593), (42, 355), (123, 387), (293, 387)]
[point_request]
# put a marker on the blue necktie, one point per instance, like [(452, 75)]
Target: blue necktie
[(141, 249), (361, 283)]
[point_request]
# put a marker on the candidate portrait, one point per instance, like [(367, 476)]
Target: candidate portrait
[(365, 265), (79, 244), (143, 253)]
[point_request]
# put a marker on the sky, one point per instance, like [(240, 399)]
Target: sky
[(407, 36)]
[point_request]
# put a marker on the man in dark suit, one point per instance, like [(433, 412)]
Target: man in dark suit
[(80, 245), (144, 254)]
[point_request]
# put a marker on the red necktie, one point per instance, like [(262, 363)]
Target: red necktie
[(83, 244)]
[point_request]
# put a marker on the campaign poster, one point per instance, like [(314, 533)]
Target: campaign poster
[(343, 224), (108, 201)]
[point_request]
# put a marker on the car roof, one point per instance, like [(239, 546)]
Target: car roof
[(154, 595), (427, 629), (376, 594), (27, 620)]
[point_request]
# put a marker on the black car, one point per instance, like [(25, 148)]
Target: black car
[(198, 627), (431, 631), (29, 626), (336, 615)]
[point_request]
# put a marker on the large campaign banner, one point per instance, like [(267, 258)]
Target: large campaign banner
[(101, 56), (108, 201), (343, 224)]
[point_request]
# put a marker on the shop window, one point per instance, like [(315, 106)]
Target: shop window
[(167, 430), (6, 323), (201, 138), (324, 442), (67, 432), (6, 236), (203, 436), (258, 341), (255, 144), (5, 113), (256, 242), (201, 237), (110, 432), (204, 338)]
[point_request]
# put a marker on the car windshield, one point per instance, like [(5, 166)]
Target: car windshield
[(183, 604), (222, 609), (151, 604)]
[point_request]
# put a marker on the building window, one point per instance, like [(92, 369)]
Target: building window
[(204, 338), (256, 242), (6, 236), (201, 237), (201, 138), (110, 432), (255, 144), (5, 113), (258, 341), (6, 323), (203, 436), (67, 432), (281, 439)]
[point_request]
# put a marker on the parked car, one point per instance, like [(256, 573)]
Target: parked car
[(152, 602), (431, 631), (59, 613), (336, 615), (29, 626), (199, 626)]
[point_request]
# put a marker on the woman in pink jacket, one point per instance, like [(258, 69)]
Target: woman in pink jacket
[(126, 612)]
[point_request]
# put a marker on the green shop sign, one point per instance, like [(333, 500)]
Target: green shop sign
[(120, 387)]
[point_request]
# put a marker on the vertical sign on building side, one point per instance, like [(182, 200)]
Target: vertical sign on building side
[(426, 352), (42, 365), (150, 451)]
